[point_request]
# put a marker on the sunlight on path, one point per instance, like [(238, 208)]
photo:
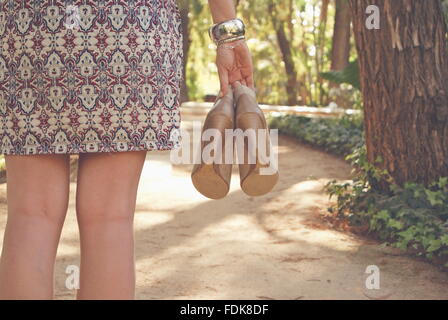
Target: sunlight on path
[(272, 247)]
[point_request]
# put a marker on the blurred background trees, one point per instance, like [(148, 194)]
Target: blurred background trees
[(304, 53), (292, 42)]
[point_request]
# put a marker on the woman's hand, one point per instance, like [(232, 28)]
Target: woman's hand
[(234, 63)]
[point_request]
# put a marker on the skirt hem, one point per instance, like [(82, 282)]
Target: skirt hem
[(92, 148)]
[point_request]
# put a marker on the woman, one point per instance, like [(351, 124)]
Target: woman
[(99, 79)]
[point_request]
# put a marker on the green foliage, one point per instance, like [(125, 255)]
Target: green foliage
[(338, 136), (200, 65), (349, 75), (412, 217), (308, 36)]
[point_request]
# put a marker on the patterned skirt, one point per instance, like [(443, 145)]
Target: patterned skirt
[(82, 76)]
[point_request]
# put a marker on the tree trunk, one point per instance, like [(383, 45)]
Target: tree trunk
[(404, 78), (321, 48), (291, 13), (185, 20), (285, 48), (340, 53)]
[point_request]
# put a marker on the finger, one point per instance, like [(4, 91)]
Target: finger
[(238, 89), (250, 81), (224, 81), (236, 84), (235, 75)]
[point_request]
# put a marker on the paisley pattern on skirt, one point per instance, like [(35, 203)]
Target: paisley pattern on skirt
[(89, 76)]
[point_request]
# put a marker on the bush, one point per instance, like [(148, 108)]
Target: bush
[(338, 136), (412, 217)]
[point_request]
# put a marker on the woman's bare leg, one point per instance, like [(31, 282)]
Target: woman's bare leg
[(37, 196), (105, 204)]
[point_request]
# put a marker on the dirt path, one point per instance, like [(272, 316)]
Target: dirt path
[(273, 247)]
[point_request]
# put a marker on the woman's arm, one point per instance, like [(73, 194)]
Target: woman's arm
[(233, 60), (222, 10)]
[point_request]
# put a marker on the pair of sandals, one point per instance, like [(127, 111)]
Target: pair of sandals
[(235, 117)]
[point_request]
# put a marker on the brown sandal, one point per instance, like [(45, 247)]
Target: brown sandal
[(250, 116), (213, 179)]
